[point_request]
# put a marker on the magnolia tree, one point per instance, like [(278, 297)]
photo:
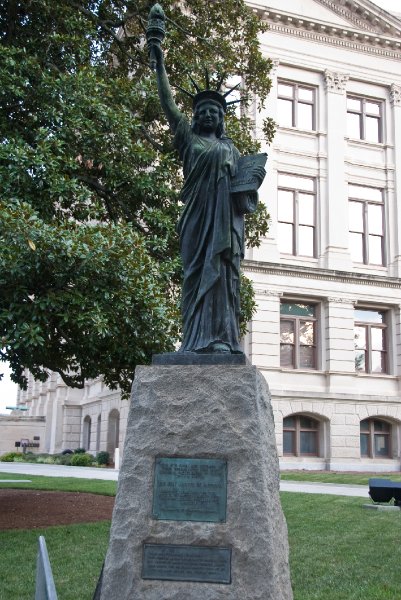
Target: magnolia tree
[(89, 182)]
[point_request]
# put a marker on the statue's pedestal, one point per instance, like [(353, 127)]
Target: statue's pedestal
[(197, 514)]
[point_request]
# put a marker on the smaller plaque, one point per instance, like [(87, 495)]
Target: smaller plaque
[(190, 489), (206, 564)]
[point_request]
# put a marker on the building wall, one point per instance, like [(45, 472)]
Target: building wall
[(337, 58), (14, 429)]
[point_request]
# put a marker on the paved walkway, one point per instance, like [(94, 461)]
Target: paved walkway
[(59, 471), (336, 489), (112, 475)]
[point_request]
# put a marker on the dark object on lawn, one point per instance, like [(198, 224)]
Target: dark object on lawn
[(68, 451), (44, 588), (384, 490)]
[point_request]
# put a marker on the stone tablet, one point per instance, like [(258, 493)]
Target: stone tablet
[(190, 489), (209, 564)]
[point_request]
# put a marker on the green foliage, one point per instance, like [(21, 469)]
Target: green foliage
[(9, 456), (63, 459), (103, 458), (79, 451), (89, 185), (81, 460)]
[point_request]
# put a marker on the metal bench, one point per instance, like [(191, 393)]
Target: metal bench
[(384, 490)]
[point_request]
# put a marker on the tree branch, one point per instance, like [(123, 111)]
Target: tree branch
[(150, 139)]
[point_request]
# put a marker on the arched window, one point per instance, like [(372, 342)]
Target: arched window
[(300, 436), (375, 438), (87, 432)]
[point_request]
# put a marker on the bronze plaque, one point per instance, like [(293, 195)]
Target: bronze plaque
[(190, 489), (207, 564)]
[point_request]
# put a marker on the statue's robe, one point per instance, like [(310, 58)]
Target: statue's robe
[(211, 230)]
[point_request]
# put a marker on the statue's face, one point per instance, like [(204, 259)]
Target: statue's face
[(208, 117)]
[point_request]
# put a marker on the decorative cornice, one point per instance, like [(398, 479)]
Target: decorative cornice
[(369, 22), (338, 36), (335, 82), (270, 293), (337, 300), (395, 94), (319, 274)]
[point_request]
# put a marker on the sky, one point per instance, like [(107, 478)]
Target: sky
[(8, 389), (390, 5)]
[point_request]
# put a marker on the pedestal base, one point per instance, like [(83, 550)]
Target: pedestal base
[(200, 445)]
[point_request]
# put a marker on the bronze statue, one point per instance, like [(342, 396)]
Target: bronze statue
[(211, 226)]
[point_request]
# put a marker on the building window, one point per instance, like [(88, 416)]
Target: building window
[(365, 119), (296, 105), (298, 335), (366, 224), (370, 341), (87, 432), (296, 198), (375, 438), (300, 436)]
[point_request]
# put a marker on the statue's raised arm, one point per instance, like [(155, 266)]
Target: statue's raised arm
[(155, 35)]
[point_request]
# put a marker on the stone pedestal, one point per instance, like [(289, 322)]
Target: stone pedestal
[(213, 415)]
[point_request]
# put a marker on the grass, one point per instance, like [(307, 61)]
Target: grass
[(331, 477), (338, 551), (62, 484), (76, 555)]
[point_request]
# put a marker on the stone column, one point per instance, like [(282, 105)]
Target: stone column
[(339, 335), (395, 224), (344, 436), (335, 227), (264, 330), (397, 344)]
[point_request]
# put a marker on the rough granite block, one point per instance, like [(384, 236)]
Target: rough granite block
[(215, 412)]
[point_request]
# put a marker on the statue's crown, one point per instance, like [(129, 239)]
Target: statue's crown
[(210, 94)]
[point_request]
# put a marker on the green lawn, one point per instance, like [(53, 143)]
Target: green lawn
[(338, 551), (76, 554), (330, 477), (62, 484)]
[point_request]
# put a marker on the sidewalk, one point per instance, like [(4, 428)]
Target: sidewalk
[(336, 489), (59, 471), (112, 475)]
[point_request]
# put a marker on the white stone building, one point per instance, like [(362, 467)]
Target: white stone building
[(327, 333)]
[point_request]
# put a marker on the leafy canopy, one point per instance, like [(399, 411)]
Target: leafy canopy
[(89, 182)]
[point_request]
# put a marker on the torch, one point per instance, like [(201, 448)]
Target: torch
[(155, 31)]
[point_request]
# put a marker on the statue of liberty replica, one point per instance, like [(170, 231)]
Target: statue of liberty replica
[(211, 227), (197, 513)]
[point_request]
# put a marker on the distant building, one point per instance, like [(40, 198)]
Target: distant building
[(327, 333)]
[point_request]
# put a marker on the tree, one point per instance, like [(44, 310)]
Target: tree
[(89, 262)]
